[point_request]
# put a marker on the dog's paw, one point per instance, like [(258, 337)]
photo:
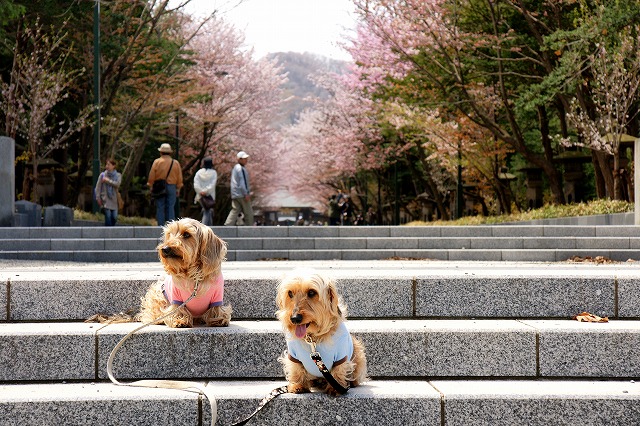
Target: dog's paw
[(179, 321), (297, 388), (217, 322), (329, 390), (182, 325), (217, 316)]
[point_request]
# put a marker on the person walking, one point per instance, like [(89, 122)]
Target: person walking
[(204, 183), (240, 192), (334, 210), (107, 192), (166, 168), (346, 210)]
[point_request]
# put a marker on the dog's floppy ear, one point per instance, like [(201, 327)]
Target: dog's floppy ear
[(332, 295), (212, 251)]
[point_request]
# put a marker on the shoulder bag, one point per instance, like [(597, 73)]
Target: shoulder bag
[(207, 202), (159, 188)]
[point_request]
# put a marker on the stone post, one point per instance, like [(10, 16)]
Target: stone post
[(636, 182), (8, 180)]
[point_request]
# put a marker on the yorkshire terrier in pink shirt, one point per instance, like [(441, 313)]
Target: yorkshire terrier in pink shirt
[(191, 255)]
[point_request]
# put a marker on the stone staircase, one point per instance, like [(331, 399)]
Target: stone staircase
[(542, 243), (448, 343)]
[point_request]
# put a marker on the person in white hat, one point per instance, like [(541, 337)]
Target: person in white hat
[(168, 169), (240, 192)]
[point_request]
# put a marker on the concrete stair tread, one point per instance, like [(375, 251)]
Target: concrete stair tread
[(430, 365), (388, 402), (376, 289), (532, 230), (251, 389), (249, 349)]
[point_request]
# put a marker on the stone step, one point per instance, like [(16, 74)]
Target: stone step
[(395, 349), (510, 255), (97, 232), (291, 244), (550, 243), (381, 289), (384, 402)]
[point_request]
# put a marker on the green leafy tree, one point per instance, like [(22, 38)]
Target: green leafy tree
[(598, 77)]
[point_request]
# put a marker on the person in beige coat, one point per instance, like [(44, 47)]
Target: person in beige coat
[(168, 169)]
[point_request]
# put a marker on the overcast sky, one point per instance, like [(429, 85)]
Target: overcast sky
[(315, 26)]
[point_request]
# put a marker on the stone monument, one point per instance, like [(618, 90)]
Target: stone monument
[(7, 180)]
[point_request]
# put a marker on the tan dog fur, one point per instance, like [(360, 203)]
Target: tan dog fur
[(315, 297), (189, 251)]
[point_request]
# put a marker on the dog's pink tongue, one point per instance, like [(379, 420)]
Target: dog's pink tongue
[(301, 331)]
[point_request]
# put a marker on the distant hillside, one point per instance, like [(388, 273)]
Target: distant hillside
[(299, 67)]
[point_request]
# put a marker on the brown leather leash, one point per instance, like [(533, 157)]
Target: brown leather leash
[(315, 356), (197, 388), (272, 395), (317, 359)]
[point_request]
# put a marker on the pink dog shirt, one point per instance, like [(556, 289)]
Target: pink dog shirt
[(199, 304)]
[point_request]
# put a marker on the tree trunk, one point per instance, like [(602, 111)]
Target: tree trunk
[(553, 174), (606, 172), (503, 197), (439, 199), (135, 156), (601, 189), (617, 177)]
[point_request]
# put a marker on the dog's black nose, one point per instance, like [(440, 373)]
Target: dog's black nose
[(167, 251), (296, 319)]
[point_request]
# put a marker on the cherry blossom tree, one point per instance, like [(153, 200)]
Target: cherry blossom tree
[(369, 125), (460, 54), (613, 89), (235, 102), (145, 76), (330, 142), (38, 82)]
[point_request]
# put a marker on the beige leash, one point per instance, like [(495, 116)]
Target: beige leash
[(164, 384)]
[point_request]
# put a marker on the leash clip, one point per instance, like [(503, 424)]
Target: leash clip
[(311, 343)]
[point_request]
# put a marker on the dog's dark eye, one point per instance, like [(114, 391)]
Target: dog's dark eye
[(311, 294), (186, 235), (290, 294)]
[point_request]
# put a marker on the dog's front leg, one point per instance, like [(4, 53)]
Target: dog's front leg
[(343, 374), (217, 316), (181, 318), (295, 373)]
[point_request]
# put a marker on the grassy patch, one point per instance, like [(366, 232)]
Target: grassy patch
[(122, 220), (591, 208)]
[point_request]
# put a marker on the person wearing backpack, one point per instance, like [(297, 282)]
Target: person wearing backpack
[(166, 169)]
